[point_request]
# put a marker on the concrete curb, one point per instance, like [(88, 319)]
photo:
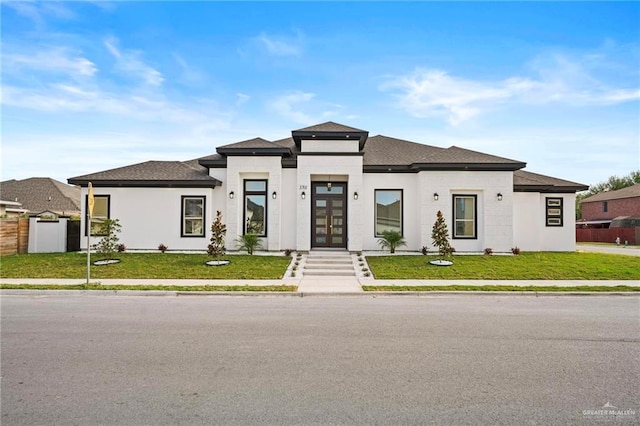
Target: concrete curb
[(372, 294)]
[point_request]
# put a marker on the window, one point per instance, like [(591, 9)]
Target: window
[(464, 216), (192, 216), (388, 210), (255, 207), (605, 206), (101, 211), (554, 211)]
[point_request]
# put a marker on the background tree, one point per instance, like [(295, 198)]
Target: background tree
[(440, 236), (218, 233), (108, 245), (612, 184)]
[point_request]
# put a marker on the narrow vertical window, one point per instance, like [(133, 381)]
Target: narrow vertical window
[(255, 207), (388, 211), (465, 216), (554, 211), (193, 216), (605, 206), (101, 211)]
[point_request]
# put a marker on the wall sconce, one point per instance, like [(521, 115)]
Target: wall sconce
[(231, 195), (274, 195), (499, 196), (355, 195), (303, 195), (435, 196)]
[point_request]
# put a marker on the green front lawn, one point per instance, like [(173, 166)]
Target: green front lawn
[(526, 266), (142, 265)]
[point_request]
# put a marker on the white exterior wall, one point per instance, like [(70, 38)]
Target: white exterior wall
[(259, 167), (329, 146), (408, 182), (290, 200), (530, 230), (150, 216), (495, 222), (349, 166)]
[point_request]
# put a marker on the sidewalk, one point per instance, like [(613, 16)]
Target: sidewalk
[(311, 286)]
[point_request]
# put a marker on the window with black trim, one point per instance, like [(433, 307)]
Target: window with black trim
[(465, 223), (255, 207), (192, 214), (388, 211), (554, 210), (101, 212), (605, 206)]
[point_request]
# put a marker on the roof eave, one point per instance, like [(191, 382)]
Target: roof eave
[(468, 166), (299, 135), (120, 183), (276, 152), (548, 189)]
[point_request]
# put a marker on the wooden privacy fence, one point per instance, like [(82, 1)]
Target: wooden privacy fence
[(608, 235), (14, 235)]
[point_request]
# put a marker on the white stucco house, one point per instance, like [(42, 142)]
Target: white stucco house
[(332, 186)]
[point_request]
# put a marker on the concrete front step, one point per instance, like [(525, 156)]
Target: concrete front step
[(328, 264), (325, 273), (330, 261)]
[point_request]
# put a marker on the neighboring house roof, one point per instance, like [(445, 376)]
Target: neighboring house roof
[(152, 174), (532, 182), (628, 192), (42, 193)]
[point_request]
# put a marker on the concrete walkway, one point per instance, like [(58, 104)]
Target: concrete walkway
[(326, 286), (611, 249)]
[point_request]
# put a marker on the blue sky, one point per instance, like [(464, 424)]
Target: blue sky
[(89, 86)]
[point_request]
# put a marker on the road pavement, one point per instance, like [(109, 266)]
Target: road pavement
[(453, 359)]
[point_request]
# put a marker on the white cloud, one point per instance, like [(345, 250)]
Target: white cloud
[(54, 60), (280, 46), (289, 106), (558, 79), (128, 61)]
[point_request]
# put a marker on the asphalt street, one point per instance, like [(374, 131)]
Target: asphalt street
[(459, 359)]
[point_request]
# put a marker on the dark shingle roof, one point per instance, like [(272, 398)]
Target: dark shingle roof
[(331, 127), (524, 181), (381, 151), (256, 146), (34, 193), (628, 192), (151, 173), (251, 143)]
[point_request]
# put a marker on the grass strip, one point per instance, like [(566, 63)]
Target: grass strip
[(540, 289), (143, 266), (195, 288), (526, 266)]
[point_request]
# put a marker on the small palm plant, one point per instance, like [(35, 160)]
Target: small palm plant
[(391, 240), (249, 242)]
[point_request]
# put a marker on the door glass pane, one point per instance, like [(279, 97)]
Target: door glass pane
[(336, 239), (322, 189), (321, 239), (321, 203), (337, 212), (337, 203)]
